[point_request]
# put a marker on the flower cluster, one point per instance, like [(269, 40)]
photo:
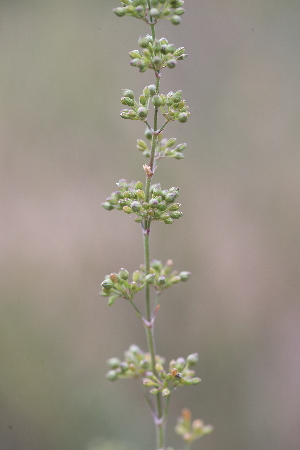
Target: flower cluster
[(136, 364), (160, 277), (131, 199), (117, 285), (163, 148), (160, 9), (178, 374), (172, 105), (191, 430), (156, 54)]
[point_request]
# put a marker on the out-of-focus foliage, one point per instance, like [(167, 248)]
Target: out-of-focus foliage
[(62, 147)]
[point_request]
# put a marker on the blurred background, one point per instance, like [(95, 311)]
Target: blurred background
[(63, 148)]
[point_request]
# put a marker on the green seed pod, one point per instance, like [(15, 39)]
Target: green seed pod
[(114, 363), (176, 214), (141, 145), (182, 117), (124, 274), (156, 100), (112, 375), (171, 63), (192, 359), (184, 276), (152, 89), (154, 12), (142, 112), (143, 41), (136, 206), (119, 11), (176, 20)]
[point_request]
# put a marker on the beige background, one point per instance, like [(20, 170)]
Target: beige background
[(63, 147)]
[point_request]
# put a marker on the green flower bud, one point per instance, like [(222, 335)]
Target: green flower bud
[(142, 112), (139, 9), (124, 274), (192, 359), (136, 206), (178, 155), (128, 93), (114, 363), (127, 101), (127, 209), (157, 265), (142, 100), (177, 97), (135, 349), (107, 205), (139, 185), (156, 61), (176, 3), (154, 391), (148, 134), (180, 363), (170, 197), (180, 147), (150, 278), (154, 12), (153, 202), (156, 100), (119, 11), (170, 48), (147, 153), (124, 366), (166, 392), (161, 280), (184, 276), (156, 46), (112, 375), (112, 299), (135, 54), (176, 20), (183, 117), (129, 9), (152, 89), (168, 221), (170, 142), (107, 284), (171, 63), (143, 42), (163, 41), (179, 51), (175, 279), (179, 11), (149, 382), (141, 145), (176, 214)]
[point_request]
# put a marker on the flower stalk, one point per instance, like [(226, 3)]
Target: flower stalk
[(150, 203)]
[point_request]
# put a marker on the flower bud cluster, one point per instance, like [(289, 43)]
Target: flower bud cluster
[(163, 149), (136, 364), (156, 54), (191, 430), (117, 285), (159, 9), (178, 374), (131, 199), (162, 276), (172, 105)]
